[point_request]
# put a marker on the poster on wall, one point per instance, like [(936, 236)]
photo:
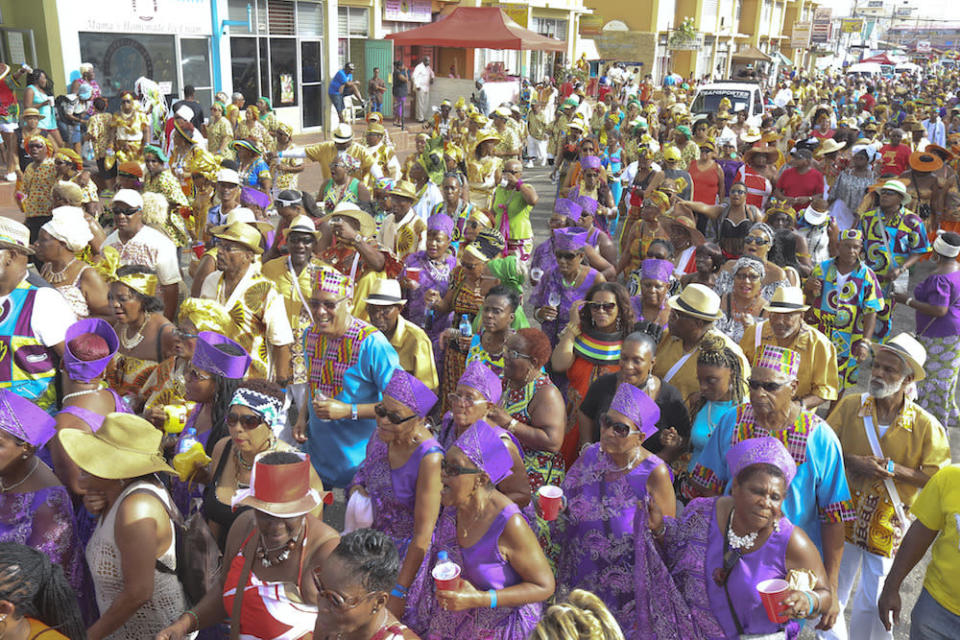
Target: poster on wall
[(407, 10), (286, 88), (185, 17)]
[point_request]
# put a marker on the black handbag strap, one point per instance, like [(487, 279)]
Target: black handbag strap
[(726, 591)]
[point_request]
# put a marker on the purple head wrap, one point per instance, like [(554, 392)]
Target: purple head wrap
[(569, 239), (655, 269), (761, 450), (568, 208), (249, 195), (590, 162), (440, 222), (88, 370), (24, 420), (207, 357), (410, 392), (483, 446), (480, 377), (588, 204), (636, 405)]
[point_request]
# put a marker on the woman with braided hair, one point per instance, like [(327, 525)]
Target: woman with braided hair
[(36, 600), (582, 617)]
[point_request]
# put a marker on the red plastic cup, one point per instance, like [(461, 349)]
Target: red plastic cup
[(771, 594), (551, 498), (199, 249), (413, 273), (447, 576)]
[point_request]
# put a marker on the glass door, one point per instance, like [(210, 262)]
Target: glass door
[(311, 76)]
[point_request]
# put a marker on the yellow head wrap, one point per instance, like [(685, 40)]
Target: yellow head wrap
[(207, 315), (460, 103), (454, 151), (143, 283), (660, 199), (204, 163), (254, 110)]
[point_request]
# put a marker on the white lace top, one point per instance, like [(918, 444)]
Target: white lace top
[(103, 558)]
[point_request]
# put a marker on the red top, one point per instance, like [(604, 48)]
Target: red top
[(706, 184), (894, 159), (758, 187), (794, 184)]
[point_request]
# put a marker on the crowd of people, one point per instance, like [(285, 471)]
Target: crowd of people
[(197, 356)]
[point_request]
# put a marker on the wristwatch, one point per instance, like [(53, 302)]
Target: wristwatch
[(354, 412)]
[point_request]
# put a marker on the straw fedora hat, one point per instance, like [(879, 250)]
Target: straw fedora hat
[(241, 233), (368, 226), (688, 224), (925, 161), (343, 133), (279, 490), (829, 146), (786, 300), (246, 216), (698, 301), (752, 134), (911, 351), (771, 153), (385, 292), (125, 446), (404, 189), (899, 187), (302, 224)]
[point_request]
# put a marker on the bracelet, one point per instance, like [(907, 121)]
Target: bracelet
[(810, 600), (909, 300), (193, 614), (819, 600), (493, 598), (399, 591), (519, 184), (512, 424), (662, 530), (354, 413)]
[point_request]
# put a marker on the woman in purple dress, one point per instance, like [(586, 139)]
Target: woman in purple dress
[(651, 304), (504, 575), (596, 531), (597, 236), (565, 213), (35, 508), (435, 265), (721, 548), (562, 287), (478, 391), (401, 476)]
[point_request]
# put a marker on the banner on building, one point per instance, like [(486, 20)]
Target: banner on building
[(800, 38), (407, 10), (185, 17), (923, 46), (591, 25), (821, 30), (517, 13), (851, 25)]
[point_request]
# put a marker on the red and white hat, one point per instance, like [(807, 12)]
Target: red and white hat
[(280, 490)]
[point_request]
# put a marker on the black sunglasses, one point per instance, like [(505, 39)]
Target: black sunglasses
[(125, 212), (565, 255), (769, 387), (606, 307), (620, 429), (756, 240), (247, 421), (382, 412), (450, 469)]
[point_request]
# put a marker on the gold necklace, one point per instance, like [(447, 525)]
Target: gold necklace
[(56, 277), (131, 343)]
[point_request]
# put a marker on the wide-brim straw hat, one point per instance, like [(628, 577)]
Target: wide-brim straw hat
[(940, 152), (368, 226), (925, 161), (829, 146), (125, 446), (786, 300), (761, 151), (487, 135), (912, 352), (698, 301), (241, 233), (689, 225)]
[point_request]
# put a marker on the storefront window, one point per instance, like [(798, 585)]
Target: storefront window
[(195, 67), (283, 71), (353, 23), (122, 58)]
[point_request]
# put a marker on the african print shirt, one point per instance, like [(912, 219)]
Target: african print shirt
[(38, 183), (888, 247)]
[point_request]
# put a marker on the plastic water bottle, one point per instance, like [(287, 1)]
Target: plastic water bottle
[(465, 329), (188, 440), (430, 319)]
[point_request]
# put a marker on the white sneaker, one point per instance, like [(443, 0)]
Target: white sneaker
[(11, 177), (529, 165)]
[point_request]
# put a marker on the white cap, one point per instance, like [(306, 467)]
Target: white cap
[(185, 112), (130, 197), (228, 175)]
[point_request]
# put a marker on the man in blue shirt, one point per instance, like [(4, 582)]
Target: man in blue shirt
[(341, 85)]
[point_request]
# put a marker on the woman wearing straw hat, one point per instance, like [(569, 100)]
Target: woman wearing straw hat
[(252, 129), (253, 171), (266, 586), (132, 553), (925, 188), (483, 169), (341, 187)]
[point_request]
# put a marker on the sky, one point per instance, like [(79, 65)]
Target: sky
[(927, 8)]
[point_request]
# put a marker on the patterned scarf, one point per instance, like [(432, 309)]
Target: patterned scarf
[(329, 358)]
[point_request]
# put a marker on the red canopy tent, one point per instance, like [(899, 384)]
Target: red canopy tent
[(879, 59), (480, 28)]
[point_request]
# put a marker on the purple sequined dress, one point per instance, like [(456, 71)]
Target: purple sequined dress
[(485, 568), (693, 547), (393, 493), (552, 282)]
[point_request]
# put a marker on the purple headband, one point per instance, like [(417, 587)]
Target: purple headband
[(410, 392), (590, 162), (24, 420), (568, 208), (88, 370), (440, 222), (480, 377), (634, 404), (569, 239), (483, 446), (207, 357), (249, 195), (656, 269), (588, 204), (761, 450)]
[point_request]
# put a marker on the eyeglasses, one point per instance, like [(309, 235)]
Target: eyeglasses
[(756, 240), (334, 598), (738, 192), (195, 373), (769, 387), (450, 469), (125, 212), (300, 238), (605, 307), (749, 277), (454, 399), (513, 354), (246, 421), (565, 255), (328, 305), (620, 429), (382, 412), (183, 335)]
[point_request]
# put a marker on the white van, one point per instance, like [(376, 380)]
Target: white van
[(742, 95)]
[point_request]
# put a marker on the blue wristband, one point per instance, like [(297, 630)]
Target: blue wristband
[(399, 591), (493, 598)]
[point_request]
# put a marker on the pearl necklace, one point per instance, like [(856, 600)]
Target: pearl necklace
[(740, 542), (85, 392), (131, 343), (4, 488)]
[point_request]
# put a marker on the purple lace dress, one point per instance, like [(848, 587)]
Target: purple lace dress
[(432, 276), (693, 547), (393, 493), (602, 551), (485, 568), (543, 257), (552, 282)]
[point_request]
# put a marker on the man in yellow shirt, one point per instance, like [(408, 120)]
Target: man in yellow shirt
[(343, 143), (891, 448), (691, 318), (819, 380), (384, 304)]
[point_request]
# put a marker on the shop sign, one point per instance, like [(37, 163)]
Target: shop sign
[(184, 17), (407, 10), (851, 25), (591, 25), (923, 46), (800, 38), (517, 13)]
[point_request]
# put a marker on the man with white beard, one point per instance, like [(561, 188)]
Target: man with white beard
[(891, 447)]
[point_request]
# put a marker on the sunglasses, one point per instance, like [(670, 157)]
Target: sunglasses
[(246, 421), (183, 335), (196, 374), (328, 305), (756, 240), (334, 598), (125, 212), (512, 172), (393, 417), (605, 307), (450, 469), (738, 192), (749, 277), (454, 399), (620, 429), (769, 387), (565, 255)]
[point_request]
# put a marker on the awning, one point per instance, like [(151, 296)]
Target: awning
[(749, 52), (782, 59), (880, 59), (477, 28)]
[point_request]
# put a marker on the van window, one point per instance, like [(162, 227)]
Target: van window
[(708, 100), (757, 102)]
